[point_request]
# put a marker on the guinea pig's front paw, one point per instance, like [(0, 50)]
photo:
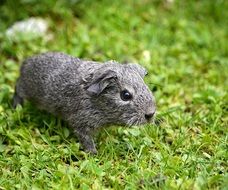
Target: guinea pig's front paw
[(92, 151), (87, 143)]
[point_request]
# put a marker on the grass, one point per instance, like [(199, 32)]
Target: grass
[(184, 47)]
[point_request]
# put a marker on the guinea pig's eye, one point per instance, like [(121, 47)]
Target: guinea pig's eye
[(125, 95)]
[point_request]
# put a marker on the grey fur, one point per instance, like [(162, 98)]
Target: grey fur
[(85, 93)]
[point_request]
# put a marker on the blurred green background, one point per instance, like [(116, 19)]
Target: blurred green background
[(183, 44)]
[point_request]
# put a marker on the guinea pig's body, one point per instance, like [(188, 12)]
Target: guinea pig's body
[(88, 95)]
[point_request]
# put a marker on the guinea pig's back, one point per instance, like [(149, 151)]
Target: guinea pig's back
[(43, 76)]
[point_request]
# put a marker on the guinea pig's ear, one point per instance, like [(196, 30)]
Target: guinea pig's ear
[(138, 68), (100, 82)]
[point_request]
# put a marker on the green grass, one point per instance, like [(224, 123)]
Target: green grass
[(184, 47)]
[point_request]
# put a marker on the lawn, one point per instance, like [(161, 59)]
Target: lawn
[(183, 45)]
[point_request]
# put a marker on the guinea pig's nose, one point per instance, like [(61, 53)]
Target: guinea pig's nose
[(149, 115)]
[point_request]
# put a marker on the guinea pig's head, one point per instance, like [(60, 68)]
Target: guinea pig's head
[(119, 92)]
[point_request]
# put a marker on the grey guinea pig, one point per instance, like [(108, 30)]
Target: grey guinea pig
[(86, 94)]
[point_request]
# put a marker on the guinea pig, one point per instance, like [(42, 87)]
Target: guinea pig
[(86, 94)]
